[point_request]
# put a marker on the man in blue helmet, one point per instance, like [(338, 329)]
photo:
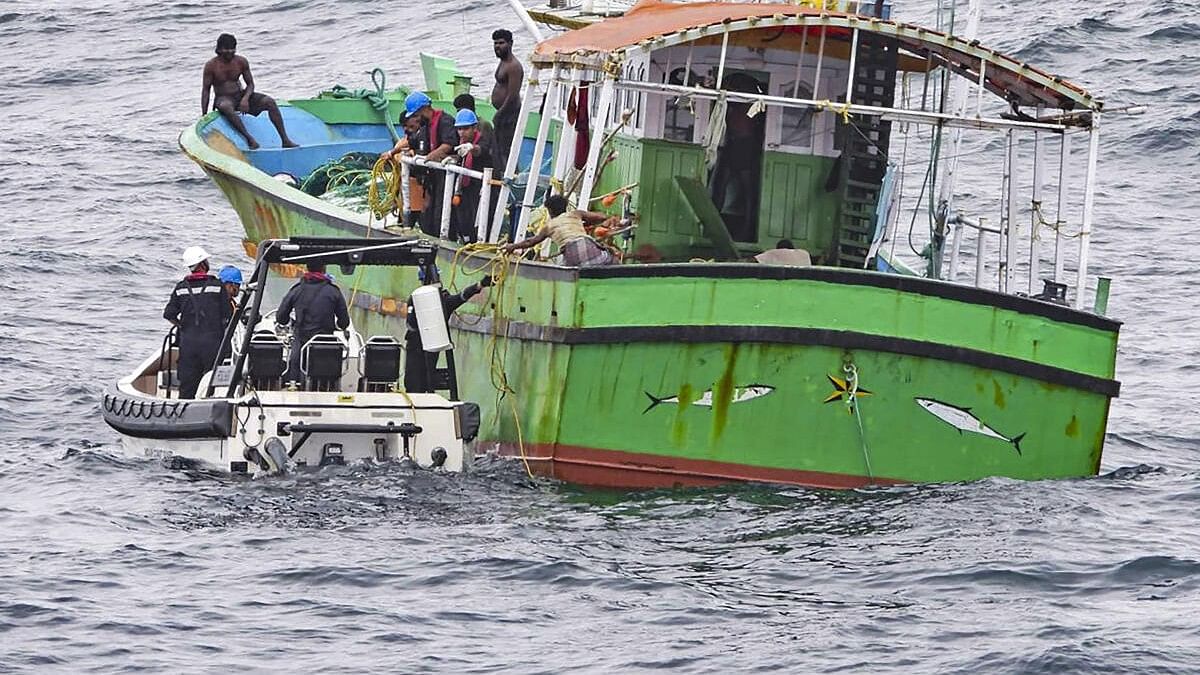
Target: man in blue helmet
[(231, 281), (430, 133), (477, 152)]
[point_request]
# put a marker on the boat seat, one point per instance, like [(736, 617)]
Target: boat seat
[(265, 364), (321, 361), (380, 363)]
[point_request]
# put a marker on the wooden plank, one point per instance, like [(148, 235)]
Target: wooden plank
[(697, 199)]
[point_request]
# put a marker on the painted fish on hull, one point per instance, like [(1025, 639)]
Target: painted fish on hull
[(740, 395), (964, 420)]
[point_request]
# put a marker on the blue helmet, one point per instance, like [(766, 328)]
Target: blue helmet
[(415, 101), (230, 275), (465, 118)]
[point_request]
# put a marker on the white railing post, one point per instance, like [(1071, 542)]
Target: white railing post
[(598, 133), (448, 182), (1089, 202), (1010, 228), (535, 163), (853, 64), (1064, 162), (514, 152), (1035, 242), (481, 209), (981, 232), (955, 248)]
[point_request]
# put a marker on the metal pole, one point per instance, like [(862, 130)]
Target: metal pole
[(1035, 242), (1059, 251), (955, 247), (820, 58), (447, 195), (481, 209), (853, 62), (510, 164), (535, 163), (526, 19), (1089, 202), (721, 63), (1010, 246), (979, 253), (589, 175)]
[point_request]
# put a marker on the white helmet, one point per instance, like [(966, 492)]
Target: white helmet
[(194, 255)]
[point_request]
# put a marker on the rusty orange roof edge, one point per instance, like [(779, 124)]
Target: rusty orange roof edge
[(652, 18)]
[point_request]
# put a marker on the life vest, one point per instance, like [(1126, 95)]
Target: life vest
[(469, 161)]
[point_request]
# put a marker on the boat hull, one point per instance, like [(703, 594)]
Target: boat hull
[(661, 375)]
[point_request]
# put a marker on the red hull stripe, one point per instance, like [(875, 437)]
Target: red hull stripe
[(612, 468)]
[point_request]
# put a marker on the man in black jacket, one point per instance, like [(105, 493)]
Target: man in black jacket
[(200, 308), (320, 309), (418, 363)]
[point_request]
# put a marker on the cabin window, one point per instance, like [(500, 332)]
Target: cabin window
[(796, 127), (679, 120)]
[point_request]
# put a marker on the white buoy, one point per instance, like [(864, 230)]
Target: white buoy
[(431, 319)]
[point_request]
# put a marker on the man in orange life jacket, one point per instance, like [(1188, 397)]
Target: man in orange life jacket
[(433, 136), (476, 149), (200, 308)]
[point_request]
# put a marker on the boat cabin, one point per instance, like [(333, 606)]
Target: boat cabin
[(727, 128)]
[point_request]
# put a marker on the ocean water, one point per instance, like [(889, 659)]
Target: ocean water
[(109, 564)]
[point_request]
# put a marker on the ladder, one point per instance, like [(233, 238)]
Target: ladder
[(865, 142)]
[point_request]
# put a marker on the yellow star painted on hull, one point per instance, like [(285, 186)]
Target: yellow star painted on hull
[(841, 390)]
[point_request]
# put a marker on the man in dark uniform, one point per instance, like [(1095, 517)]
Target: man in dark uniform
[(430, 133), (320, 310), (418, 363), (200, 308), (476, 150)]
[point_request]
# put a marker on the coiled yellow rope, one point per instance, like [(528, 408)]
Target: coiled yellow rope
[(383, 192)]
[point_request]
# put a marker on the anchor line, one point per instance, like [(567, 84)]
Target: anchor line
[(852, 404), (496, 264)]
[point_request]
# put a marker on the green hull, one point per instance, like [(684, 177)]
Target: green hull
[(684, 374)]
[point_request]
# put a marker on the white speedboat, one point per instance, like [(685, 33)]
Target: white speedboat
[(349, 408)]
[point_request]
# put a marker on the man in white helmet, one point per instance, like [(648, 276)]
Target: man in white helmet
[(200, 307)]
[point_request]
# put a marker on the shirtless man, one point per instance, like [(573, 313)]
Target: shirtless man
[(221, 75), (506, 95)]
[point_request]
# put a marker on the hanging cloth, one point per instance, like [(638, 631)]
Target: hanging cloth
[(715, 132), (582, 133)]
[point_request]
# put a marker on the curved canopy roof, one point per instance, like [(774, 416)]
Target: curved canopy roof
[(655, 24)]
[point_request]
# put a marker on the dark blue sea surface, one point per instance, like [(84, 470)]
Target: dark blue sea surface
[(112, 564)]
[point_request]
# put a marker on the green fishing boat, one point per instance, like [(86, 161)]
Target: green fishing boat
[(762, 324)]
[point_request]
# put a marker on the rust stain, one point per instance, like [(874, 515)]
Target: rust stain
[(999, 395), (251, 248), (722, 394), (679, 426), (389, 306), (1073, 427)]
